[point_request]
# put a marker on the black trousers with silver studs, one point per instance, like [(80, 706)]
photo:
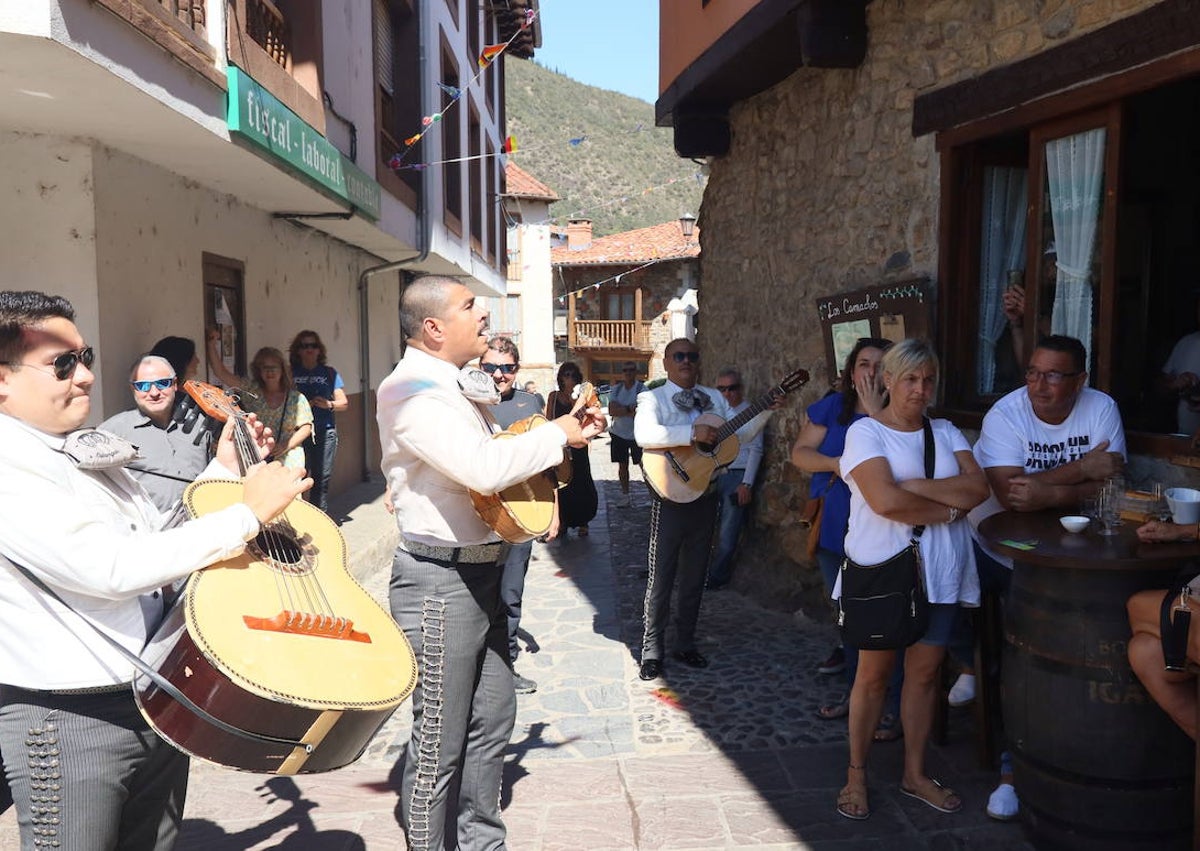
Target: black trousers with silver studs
[(88, 774)]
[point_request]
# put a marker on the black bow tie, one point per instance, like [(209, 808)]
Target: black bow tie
[(688, 400)]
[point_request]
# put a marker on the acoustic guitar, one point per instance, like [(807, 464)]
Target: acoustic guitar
[(682, 473), (524, 511), (280, 640)]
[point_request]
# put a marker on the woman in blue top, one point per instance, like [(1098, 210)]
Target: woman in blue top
[(817, 450), (324, 389)]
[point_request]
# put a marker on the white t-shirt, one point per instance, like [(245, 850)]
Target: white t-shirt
[(623, 426), (1185, 357), (950, 575), (1013, 436)]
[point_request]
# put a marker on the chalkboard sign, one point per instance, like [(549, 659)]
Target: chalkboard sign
[(892, 311)]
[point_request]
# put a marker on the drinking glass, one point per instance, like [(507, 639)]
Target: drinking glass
[(1115, 485), (1162, 511), (1108, 507)]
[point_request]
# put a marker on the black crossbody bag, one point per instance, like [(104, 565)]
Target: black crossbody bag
[(885, 606)]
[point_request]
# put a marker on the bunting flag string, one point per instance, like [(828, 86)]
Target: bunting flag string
[(487, 56), (559, 220), (596, 285)]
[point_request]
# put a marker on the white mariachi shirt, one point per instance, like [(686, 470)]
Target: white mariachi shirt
[(93, 536)]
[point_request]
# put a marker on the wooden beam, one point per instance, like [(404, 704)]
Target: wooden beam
[(1161, 30)]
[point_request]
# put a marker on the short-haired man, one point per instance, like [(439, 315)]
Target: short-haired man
[(1050, 443), (436, 430), (501, 361), (680, 532), (85, 768), (735, 486), (170, 454), (622, 405)]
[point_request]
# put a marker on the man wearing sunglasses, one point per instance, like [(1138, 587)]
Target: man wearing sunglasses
[(169, 457), (735, 486), (501, 361), (86, 770), (622, 405), (1051, 443), (680, 531)]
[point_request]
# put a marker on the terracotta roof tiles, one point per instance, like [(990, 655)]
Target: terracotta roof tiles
[(521, 184), (657, 242)]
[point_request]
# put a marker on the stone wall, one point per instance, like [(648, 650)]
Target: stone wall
[(826, 190)]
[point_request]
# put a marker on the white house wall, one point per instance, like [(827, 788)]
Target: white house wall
[(152, 230), (48, 223)]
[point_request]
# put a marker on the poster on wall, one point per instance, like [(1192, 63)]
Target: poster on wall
[(892, 311)]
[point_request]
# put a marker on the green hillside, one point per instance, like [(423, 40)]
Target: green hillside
[(604, 177)]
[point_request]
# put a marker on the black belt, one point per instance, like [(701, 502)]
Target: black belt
[(474, 554)]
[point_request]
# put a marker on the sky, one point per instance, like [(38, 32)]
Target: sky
[(610, 45)]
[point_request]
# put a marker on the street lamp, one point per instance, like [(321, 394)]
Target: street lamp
[(687, 224)]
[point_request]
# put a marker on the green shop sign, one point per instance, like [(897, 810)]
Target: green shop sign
[(256, 115)]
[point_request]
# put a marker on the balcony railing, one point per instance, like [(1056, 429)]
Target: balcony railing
[(190, 13), (633, 334), (268, 27)]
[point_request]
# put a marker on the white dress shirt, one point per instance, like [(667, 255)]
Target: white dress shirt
[(660, 424), (437, 444), (92, 536)]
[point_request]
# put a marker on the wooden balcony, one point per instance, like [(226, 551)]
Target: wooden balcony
[(626, 334)]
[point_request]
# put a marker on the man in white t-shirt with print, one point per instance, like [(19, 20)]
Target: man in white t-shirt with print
[(1049, 444)]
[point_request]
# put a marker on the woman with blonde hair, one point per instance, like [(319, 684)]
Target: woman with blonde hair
[(269, 394), (883, 464)]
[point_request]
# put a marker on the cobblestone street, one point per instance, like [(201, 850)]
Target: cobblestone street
[(730, 757)]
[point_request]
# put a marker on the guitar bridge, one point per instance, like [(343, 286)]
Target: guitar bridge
[(302, 623)]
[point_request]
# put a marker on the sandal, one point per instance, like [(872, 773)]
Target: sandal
[(834, 711), (944, 800), (852, 800), (889, 729)]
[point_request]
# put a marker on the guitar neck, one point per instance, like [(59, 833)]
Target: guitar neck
[(243, 440), (756, 407)]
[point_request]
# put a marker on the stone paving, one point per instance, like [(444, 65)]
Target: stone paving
[(731, 757)]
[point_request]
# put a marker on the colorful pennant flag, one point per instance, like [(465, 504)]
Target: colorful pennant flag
[(509, 146), (489, 53), (577, 141), (450, 90)]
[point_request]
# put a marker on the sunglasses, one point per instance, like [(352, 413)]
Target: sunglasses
[(690, 357), (726, 388), (160, 383), (506, 368), (309, 346), (63, 366)]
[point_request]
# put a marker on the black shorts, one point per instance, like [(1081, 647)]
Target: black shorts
[(619, 450)]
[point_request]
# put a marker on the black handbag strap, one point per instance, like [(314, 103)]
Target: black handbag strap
[(157, 678), (930, 449)]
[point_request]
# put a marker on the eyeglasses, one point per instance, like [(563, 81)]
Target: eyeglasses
[(63, 366), (690, 357), (1053, 377), (309, 345), (506, 368), (160, 383), (727, 388)]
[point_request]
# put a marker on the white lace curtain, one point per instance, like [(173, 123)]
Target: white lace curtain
[(1002, 251), (1075, 173)]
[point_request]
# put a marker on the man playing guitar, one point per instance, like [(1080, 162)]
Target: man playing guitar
[(85, 769), (436, 432), (681, 532)]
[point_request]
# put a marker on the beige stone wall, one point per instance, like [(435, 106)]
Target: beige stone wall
[(826, 190)]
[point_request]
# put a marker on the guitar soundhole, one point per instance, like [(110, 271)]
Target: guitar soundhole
[(281, 550)]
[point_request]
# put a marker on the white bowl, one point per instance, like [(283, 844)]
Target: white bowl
[(1184, 504), (1074, 522)]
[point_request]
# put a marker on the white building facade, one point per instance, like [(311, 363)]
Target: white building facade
[(174, 165)]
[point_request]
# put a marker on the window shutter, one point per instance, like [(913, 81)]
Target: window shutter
[(384, 47)]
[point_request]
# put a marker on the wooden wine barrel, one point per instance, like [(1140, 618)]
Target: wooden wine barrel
[(1122, 779), (1097, 764)]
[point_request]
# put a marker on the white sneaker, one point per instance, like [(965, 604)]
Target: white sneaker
[(963, 690), (1003, 804)]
